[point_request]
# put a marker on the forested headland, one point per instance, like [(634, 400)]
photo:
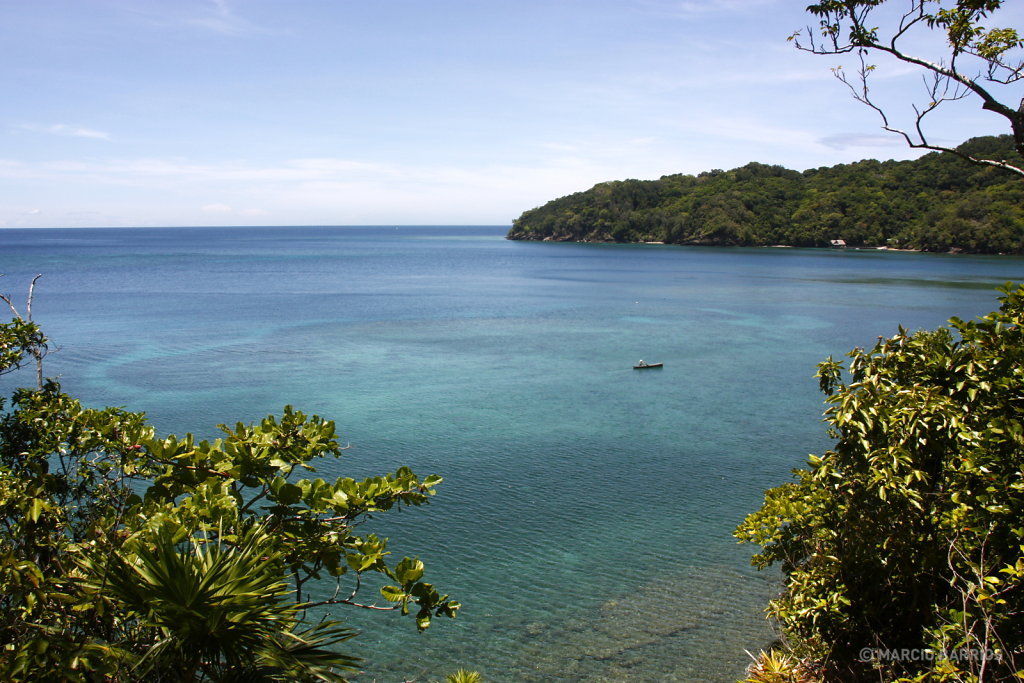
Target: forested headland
[(938, 202)]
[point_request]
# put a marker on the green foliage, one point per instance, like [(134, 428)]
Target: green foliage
[(463, 676), (972, 60), (774, 666), (125, 556), (18, 339), (961, 23), (907, 536), (217, 609), (935, 203)]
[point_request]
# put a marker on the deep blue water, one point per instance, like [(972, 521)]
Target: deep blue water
[(586, 512)]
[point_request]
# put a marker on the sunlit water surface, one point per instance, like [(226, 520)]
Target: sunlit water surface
[(586, 515)]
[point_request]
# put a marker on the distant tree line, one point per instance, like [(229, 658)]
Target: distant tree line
[(938, 202)]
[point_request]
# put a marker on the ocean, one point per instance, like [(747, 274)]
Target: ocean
[(586, 514)]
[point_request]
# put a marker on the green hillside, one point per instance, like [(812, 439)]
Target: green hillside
[(936, 203)]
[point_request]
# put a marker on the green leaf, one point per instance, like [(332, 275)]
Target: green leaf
[(393, 593), (409, 571), (288, 494)]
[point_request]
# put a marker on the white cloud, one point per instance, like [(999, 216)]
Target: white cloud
[(222, 209), (64, 129), (148, 172), (217, 208), (745, 129), (323, 190), (220, 18), (723, 6), (560, 146), (214, 16), (329, 166), (847, 140)]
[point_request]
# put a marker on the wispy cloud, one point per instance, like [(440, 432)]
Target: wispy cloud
[(301, 190), (848, 140), (221, 209), (718, 6), (66, 130), (215, 16), (144, 172), (220, 18)]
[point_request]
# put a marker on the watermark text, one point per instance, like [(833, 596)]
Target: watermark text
[(909, 654)]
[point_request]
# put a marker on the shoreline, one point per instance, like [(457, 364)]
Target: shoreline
[(955, 250)]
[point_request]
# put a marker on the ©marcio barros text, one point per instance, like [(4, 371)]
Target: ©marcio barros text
[(877, 654)]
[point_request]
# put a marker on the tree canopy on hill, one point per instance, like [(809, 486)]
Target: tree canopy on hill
[(936, 203)]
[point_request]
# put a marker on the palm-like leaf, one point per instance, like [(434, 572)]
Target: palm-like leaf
[(215, 609), (307, 655)]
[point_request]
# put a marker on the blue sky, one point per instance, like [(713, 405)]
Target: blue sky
[(335, 112)]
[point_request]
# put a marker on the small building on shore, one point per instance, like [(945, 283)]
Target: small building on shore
[(838, 244)]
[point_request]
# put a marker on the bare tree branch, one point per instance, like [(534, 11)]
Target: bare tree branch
[(31, 295), (845, 29), (37, 347)]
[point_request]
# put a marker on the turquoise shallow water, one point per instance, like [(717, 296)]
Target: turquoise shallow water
[(586, 514)]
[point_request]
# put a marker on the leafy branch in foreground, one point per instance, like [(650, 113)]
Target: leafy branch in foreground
[(21, 337), (977, 62), (907, 536), (124, 556)]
